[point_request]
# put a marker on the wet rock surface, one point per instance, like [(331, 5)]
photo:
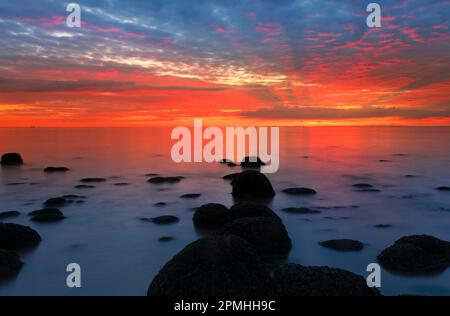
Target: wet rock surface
[(214, 266), (416, 255), (297, 280)]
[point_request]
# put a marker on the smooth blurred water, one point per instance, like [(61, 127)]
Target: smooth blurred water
[(119, 254)]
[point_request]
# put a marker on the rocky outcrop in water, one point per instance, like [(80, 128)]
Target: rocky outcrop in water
[(252, 184), (16, 237), (11, 159)]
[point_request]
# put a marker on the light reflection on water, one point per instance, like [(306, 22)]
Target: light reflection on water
[(119, 254)]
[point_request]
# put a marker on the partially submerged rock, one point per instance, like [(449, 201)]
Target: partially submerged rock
[(443, 189), (268, 235), (299, 191), (210, 216), (242, 210), (416, 255), (297, 280), (214, 266), (54, 202), (160, 180), (300, 210), (11, 159), (165, 219), (191, 196), (93, 180), (252, 162), (47, 215), (10, 264), (343, 244), (8, 214), (15, 237), (252, 184)]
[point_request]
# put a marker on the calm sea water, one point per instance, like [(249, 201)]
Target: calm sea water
[(119, 254)]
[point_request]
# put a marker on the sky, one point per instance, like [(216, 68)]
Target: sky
[(229, 62)]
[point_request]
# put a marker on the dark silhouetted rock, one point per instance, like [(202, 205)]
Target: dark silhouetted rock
[(214, 266), (300, 210), (299, 191), (225, 161), (230, 176), (160, 180), (93, 180), (15, 237), (56, 169), (47, 215), (242, 210), (297, 280), (121, 184), (166, 238), (59, 201), (363, 185), (252, 184), (210, 216), (165, 219), (8, 214), (10, 264), (369, 190), (383, 226), (343, 244), (416, 255), (11, 159), (84, 186), (191, 196), (252, 162), (160, 204), (444, 189), (231, 164), (266, 234)]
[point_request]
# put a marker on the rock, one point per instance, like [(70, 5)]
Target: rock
[(363, 185), (59, 201), (56, 169), (8, 214), (11, 159), (15, 237), (210, 216), (160, 180), (213, 266), (252, 184), (166, 238), (444, 189), (299, 191), (368, 190), (165, 219), (191, 196), (383, 226), (343, 244), (84, 186), (266, 234), (242, 210), (252, 162), (230, 176), (93, 180), (300, 210), (297, 280), (416, 255), (121, 184), (160, 204), (47, 215), (231, 164), (10, 264)]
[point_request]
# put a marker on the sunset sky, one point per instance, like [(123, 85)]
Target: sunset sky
[(270, 62)]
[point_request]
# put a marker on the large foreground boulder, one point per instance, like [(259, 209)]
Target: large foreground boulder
[(11, 159), (252, 184), (213, 266), (297, 280), (15, 236), (10, 264), (415, 255), (210, 216), (266, 234)]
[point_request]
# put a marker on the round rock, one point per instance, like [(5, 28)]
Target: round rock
[(11, 159), (343, 244), (252, 184), (210, 216), (297, 280), (213, 266), (416, 255), (266, 234), (14, 236)]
